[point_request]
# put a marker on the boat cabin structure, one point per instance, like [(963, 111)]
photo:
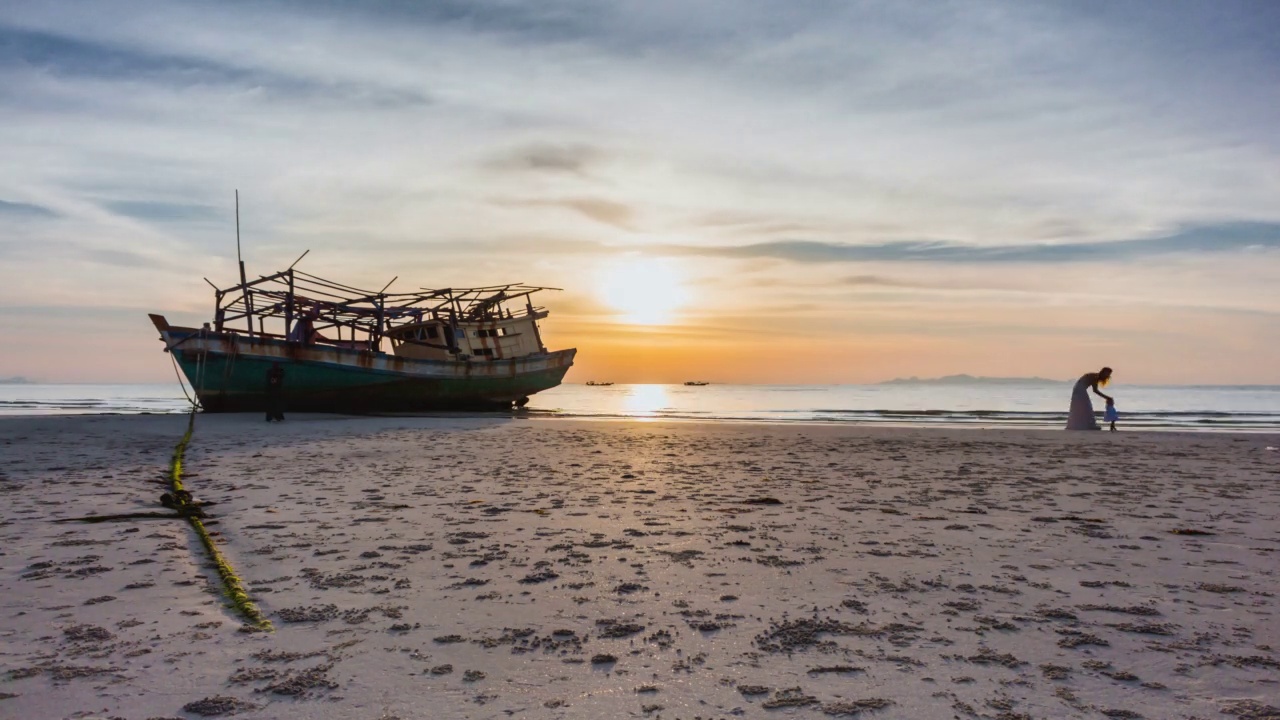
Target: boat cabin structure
[(453, 323)]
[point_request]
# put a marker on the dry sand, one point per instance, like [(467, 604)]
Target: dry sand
[(490, 568)]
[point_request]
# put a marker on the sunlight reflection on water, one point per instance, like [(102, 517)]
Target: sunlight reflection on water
[(644, 401)]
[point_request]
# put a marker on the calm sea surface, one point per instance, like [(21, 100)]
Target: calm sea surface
[(982, 405)]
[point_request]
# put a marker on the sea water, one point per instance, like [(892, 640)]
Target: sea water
[(1203, 407)]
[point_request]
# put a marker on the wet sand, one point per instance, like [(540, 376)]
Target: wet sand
[(494, 568)]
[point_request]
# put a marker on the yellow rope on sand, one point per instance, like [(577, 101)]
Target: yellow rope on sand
[(230, 582)]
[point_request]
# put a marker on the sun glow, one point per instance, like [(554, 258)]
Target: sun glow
[(644, 291)]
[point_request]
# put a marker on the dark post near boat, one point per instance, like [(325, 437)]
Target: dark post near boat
[(453, 331), (536, 334), (289, 309), (217, 305), (375, 342)]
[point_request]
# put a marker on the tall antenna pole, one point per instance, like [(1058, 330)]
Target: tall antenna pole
[(239, 258)]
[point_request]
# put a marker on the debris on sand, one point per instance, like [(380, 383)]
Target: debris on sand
[(614, 629), (791, 635), (683, 556), (1147, 628), (1075, 639), (316, 613), (791, 697), (1056, 614), (218, 705), (1251, 710), (1125, 609), (538, 577), (852, 708), (87, 633), (840, 669), (1055, 672), (987, 656), (1219, 588), (302, 683)]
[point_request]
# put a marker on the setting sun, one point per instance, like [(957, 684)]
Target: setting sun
[(644, 291)]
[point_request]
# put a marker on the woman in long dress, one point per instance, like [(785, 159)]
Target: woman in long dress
[(1081, 416)]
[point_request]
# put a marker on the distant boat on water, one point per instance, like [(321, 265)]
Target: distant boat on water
[(472, 348), (697, 383), (593, 383)]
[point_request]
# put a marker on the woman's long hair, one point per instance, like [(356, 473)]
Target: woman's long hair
[(1104, 377)]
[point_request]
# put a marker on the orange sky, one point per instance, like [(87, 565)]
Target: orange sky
[(731, 321)]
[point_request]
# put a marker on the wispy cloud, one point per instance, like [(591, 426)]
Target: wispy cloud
[(548, 157), (878, 281), (1231, 237), (603, 211), (20, 209), (165, 211), (71, 58)]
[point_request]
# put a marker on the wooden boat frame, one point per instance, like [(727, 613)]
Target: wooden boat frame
[(340, 367)]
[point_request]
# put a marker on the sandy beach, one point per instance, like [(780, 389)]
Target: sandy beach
[(491, 568)]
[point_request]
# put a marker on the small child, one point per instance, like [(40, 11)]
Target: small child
[(1111, 415)]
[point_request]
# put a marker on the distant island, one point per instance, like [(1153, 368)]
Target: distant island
[(15, 381), (972, 380)]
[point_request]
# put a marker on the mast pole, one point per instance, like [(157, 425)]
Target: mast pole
[(244, 282), (288, 306)]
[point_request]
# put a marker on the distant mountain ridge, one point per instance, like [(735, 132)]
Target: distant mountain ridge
[(16, 380), (973, 380)]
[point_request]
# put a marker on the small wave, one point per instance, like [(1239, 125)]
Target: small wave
[(937, 418), (828, 405)]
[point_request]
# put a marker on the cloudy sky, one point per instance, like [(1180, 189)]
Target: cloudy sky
[(810, 191)]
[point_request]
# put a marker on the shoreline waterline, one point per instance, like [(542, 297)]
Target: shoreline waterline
[(428, 421)]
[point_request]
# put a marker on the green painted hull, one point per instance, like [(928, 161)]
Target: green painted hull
[(359, 383)]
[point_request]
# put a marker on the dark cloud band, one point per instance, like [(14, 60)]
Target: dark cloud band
[(1227, 237)]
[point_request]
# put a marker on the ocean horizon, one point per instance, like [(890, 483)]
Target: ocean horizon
[(992, 402)]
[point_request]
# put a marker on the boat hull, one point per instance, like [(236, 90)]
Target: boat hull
[(228, 373)]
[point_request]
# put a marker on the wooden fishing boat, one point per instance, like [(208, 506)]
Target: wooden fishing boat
[(472, 348)]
